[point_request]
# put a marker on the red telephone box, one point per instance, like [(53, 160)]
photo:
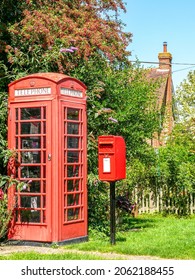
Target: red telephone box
[(47, 127), (111, 158)]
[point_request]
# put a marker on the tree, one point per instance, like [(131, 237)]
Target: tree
[(175, 162), (120, 102), (58, 35), (185, 100), (176, 170)]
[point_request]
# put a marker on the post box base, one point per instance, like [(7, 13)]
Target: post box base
[(47, 244)]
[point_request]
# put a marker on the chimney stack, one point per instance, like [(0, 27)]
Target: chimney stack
[(165, 58), (164, 46)]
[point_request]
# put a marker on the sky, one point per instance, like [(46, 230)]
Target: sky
[(153, 22)]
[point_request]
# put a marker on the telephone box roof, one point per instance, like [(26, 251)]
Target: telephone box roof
[(54, 77)]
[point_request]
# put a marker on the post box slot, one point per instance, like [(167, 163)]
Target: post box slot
[(105, 143), (106, 146)]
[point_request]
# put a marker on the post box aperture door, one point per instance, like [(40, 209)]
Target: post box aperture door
[(31, 142), (73, 146)]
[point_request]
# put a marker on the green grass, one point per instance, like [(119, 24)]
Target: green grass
[(37, 256), (166, 237)]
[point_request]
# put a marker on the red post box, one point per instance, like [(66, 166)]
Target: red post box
[(111, 158), (47, 127)]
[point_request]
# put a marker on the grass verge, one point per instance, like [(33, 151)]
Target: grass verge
[(166, 237), (153, 235)]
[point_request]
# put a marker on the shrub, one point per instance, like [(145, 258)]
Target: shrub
[(5, 213)]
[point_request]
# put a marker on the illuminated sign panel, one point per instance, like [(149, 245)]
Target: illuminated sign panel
[(32, 91), (71, 92)]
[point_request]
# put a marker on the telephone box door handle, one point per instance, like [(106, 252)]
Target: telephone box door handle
[(49, 157)]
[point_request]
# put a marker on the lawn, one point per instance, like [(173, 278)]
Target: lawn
[(166, 237), (153, 235)]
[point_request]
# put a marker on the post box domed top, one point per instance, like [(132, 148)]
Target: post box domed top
[(51, 76)]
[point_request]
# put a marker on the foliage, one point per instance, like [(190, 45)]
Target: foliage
[(175, 162), (176, 170), (109, 112), (5, 213), (58, 35), (5, 183), (98, 206), (3, 127), (185, 100), (120, 102)]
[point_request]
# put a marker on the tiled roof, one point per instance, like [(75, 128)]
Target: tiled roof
[(162, 75)]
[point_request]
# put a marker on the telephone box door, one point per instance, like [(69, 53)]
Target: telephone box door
[(74, 193), (31, 136)]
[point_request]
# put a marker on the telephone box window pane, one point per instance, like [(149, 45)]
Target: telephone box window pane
[(73, 128), (36, 157), (73, 170), (44, 216), (31, 157), (44, 186), (44, 157), (16, 128), (35, 186), (30, 113), (31, 142), (35, 128), (73, 185), (30, 201), (72, 114), (32, 187), (25, 128), (73, 214), (44, 171), (73, 143), (25, 201), (30, 216), (44, 112), (16, 142), (26, 143), (31, 172), (31, 128), (73, 157), (44, 142), (73, 199), (44, 127), (44, 201), (17, 114)]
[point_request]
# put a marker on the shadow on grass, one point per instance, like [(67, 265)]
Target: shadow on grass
[(136, 224), (130, 224)]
